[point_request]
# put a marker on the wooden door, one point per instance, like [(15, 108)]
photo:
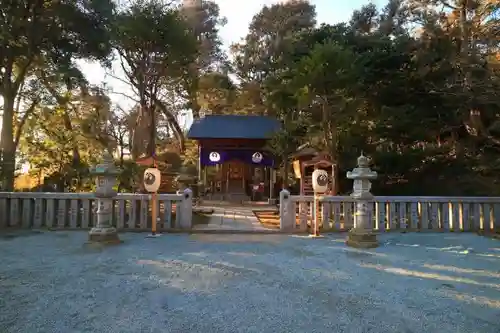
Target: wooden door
[(236, 170)]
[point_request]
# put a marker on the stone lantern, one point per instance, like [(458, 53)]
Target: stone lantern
[(184, 178), (106, 176), (362, 235)]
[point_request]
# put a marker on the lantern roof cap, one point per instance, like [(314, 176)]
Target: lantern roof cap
[(363, 161), (106, 168)]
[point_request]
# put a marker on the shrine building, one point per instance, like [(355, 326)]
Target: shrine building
[(233, 161)]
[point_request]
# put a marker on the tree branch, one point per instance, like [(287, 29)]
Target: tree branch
[(172, 121), (24, 118)]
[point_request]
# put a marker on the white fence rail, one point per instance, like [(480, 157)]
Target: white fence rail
[(78, 210), (336, 213)]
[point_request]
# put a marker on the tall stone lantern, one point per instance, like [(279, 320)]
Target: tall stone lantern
[(362, 235), (106, 176)]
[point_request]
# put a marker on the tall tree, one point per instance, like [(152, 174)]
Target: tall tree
[(155, 47), (60, 31), (330, 75), (263, 64), (470, 28), (204, 20), (271, 34)]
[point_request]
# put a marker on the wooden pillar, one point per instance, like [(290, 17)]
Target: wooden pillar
[(199, 163), (205, 184), (271, 183), (302, 177), (226, 176), (217, 179), (334, 180), (266, 177), (243, 178)]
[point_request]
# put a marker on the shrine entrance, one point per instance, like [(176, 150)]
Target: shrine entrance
[(235, 177), (236, 180)]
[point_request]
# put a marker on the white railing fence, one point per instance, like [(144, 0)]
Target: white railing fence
[(78, 211), (336, 213)]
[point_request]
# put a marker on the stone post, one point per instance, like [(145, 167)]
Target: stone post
[(186, 211), (287, 217), (106, 176), (362, 235)]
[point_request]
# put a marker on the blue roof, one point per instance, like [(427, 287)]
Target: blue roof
[(233, 127)]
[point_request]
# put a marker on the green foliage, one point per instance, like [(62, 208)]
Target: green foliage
[(155, 48), (412, 85), (44, 33), (417, 103)]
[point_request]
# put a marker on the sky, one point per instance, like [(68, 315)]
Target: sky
[(239, 13)]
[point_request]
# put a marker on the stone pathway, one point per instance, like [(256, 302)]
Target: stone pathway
[(233, 218)]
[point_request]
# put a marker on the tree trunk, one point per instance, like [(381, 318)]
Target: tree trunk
[(24, 118), (179, 134), (76, 153), (151, 147), (330, 137), (195, 109), (335, 176), (7, 143), (464, 29)]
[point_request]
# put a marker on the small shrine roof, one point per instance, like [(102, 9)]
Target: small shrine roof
[(233, 127)]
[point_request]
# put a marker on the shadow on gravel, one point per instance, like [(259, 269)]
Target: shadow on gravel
[(12, 234), (239, 238), (248, 283)]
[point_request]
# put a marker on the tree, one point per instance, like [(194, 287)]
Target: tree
[(155, 48), (469, 27), (56, 31), (263, 63), (413, 84), (204, 20), (330, 75), (216, 93)]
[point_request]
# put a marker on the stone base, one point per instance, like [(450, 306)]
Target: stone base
[(104, 235), (362, 239)]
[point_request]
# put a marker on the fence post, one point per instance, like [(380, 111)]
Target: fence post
[(4, 205), (287, 217), (186, 221)]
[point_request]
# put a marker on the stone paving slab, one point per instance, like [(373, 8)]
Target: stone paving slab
[(237, 218)]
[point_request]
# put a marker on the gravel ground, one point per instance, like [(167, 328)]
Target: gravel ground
[(50, 282)]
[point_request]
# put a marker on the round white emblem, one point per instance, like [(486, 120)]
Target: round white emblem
[(149, 178), (323, 180), (214, 156), (257, 157)]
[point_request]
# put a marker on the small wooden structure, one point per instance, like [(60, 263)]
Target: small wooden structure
[(305, 161), (233, 147)]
